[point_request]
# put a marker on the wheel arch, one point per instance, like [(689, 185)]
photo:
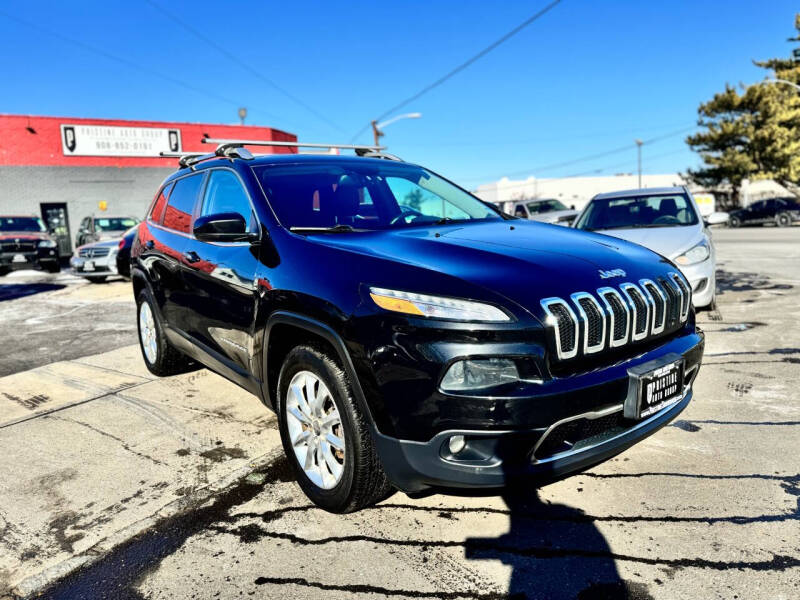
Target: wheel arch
[(303, 329)]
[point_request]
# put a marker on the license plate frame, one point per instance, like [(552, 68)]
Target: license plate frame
[(88, 266), (19, 258), (654, 386)]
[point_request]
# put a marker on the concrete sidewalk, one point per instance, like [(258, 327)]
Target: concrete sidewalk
[(93, 449)]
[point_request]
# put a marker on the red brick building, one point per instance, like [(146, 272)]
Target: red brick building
[(62, 168)]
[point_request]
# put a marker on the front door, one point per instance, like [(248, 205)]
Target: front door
[(56, 219), (219, 278)]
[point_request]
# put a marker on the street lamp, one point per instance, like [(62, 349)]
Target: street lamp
[(377, 128), (639, 144)]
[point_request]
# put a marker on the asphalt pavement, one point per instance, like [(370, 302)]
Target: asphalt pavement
[(111, 491)]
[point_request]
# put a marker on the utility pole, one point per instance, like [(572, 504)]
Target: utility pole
[(377, 134), (639, 159)]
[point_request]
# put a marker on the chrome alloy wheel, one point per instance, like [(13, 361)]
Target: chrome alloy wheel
[(315, 429), (147, 332)]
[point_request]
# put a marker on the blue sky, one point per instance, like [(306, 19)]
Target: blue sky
[(586, 78)]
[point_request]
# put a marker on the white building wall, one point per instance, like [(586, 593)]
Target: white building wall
[(575, 191)]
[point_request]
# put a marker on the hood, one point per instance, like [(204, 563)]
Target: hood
[(24, 236), (554, 216), (105, 243), (667, 241), (523, 261)]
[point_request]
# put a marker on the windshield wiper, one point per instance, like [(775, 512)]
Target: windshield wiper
[(340, 228)]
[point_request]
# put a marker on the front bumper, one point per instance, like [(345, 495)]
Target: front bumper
[(101, 267), (702, 279), (494, 458), (13, 261)]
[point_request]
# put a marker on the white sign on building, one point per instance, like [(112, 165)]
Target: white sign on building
[(105, 140)]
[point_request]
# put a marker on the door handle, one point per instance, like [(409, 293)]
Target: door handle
[(149, 244), (191, 256)]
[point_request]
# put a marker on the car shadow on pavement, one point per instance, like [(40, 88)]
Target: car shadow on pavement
[(12, 291), (554, 551)]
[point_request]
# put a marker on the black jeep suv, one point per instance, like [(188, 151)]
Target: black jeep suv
[(407, 334)]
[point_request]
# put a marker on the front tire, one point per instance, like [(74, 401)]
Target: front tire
[(159, 356), (783, 220), (325, 434)]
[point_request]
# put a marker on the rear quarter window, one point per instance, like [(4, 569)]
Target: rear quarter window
[(180, 205), (160, 203)]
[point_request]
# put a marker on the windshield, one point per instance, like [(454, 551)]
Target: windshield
[(365, 195), (632, 212), (544, 206), (114, 224), (33, 224)]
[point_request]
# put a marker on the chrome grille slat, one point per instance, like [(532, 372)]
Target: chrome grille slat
[(564, 323), (618, 314), (686, 295), (640, 308), (659, 301), (594, 322)]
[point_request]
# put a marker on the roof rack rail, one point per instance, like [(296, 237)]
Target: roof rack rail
[(225, 144), (187, 159)]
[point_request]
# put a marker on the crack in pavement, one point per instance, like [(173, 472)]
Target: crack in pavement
[(778, 562)]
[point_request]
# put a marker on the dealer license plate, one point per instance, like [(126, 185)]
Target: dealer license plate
[(88, 265), (19, 258), (653, 387)]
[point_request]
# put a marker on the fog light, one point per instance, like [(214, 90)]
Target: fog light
[(475, 374), (456, 444)]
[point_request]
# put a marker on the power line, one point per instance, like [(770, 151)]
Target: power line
[(130, 63), (597, 171), (590, 157), (572, 136), (464, 65), (235, 59)]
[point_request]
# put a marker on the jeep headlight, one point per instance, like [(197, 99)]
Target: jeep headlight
[(697, 254), (47, 244), (436, 307)]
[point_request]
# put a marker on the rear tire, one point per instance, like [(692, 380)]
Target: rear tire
[(346, 474), (159, 356), (783, 220), (734, 222), (96, 279)]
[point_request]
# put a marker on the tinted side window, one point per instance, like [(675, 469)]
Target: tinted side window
[(157, 213), (178, 215), (225, 194)]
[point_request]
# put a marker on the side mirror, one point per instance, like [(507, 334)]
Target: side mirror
[(222, 227), (572, 207), (717, 218)]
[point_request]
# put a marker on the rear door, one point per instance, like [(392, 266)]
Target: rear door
[(219, 277), (164, 237)]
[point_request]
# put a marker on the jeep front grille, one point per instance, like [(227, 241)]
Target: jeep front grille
[(631, 313)]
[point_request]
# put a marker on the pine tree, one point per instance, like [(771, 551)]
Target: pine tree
[(754, 134)]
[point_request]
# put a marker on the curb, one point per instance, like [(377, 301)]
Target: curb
[(38, 583)]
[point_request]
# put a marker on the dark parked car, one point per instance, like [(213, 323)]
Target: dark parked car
[(781, 211), (26, 244), (124, 252), (99, 229), (407, 334)]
